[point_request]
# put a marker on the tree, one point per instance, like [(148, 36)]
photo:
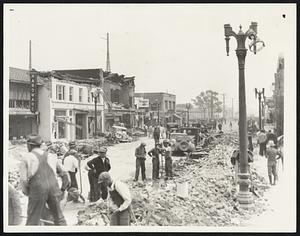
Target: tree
[(202, 102), (208, 100)]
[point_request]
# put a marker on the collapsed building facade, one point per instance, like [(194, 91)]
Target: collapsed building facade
[(64, 103), (118, 95)]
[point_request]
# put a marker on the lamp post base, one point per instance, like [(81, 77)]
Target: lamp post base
[(244, 197)]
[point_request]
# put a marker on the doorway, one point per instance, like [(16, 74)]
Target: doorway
[(81, 126)]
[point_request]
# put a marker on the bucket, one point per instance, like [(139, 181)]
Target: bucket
[(183, 189)]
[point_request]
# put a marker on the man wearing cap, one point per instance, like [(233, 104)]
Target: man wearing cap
[(154, 153), (120, 200), (140, 154), (95, 167), (272, 154), (37, 177)]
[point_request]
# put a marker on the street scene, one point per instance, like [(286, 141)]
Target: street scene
[(114, 121)]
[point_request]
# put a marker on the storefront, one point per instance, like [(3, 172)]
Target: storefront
[(22, 124)]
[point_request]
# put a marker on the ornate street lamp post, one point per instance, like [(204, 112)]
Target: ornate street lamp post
[(260, 94), (96, 94), (244, 196)]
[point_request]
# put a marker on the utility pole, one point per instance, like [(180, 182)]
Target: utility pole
[(260, 94), (188, 107), (107, 55), (30, 66), (232, 108), (224, 105)]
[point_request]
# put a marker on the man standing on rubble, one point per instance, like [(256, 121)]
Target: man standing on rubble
[(140, 154), (38, 180), (272, 154), (154, 153), (167, 152), (120, 200), (95, 167)]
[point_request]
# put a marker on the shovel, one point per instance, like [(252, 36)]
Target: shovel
[(80, 177)]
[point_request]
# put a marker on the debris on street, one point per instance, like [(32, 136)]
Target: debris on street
[(211, 201)]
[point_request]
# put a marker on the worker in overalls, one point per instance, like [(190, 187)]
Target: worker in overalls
[(120, 200), (39, 183)]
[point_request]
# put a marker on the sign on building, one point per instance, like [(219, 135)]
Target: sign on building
[(33, 92), (141, 102)]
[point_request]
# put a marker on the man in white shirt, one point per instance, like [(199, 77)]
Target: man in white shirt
[(120, 200), (71, 164)]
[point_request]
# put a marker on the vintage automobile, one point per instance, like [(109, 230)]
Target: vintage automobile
[(180, 143), (171, 128), (192, 132), (120, 133)]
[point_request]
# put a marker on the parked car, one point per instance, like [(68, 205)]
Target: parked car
[(120, 133), (171, 128), (192, 132), (181, 142)]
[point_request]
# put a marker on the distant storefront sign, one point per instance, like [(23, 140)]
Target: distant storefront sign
[(141, 102), (33, 92)]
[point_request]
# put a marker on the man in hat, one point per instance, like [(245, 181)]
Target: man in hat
[(120, 200), (71, 163), (154, 153), (95, 167), (140, 154), (38, 180), (167, 152), (272, 154)]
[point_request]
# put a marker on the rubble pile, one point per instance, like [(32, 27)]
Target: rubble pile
[(94, 215), (14, 179), (212, 199)]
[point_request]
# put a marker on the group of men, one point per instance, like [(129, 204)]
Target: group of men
[(40, 168), (141, 153)]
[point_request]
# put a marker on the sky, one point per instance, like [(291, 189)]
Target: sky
[(178, 48)]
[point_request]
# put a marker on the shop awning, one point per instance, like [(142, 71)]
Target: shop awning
[(21, 112), (177, 116)]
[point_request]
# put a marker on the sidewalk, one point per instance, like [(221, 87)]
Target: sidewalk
[(279, 216)]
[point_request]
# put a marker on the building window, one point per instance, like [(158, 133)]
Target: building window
[(61, 129), (166, 105), (89, 96), (173, 105), (60, 92), (71, 93), (170, 105), (80, 94)]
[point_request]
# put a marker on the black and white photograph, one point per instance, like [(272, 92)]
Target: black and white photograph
[(149, 117)]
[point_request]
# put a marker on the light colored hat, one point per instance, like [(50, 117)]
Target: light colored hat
[(271, 143), (104, 177)]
